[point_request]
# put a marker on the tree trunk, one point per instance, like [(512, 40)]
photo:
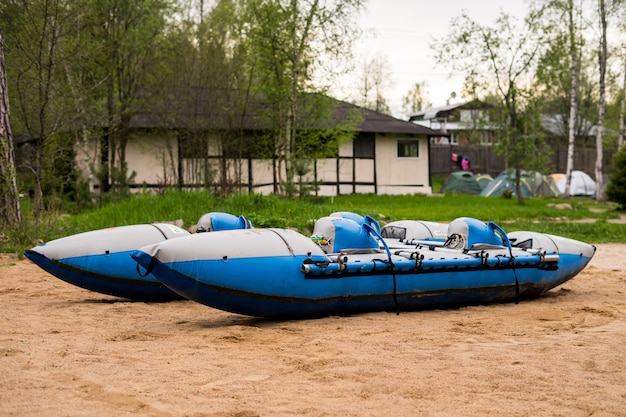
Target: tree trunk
[(601, 103), (10, 214), (38, 172), (512, 107), (622, 113), (573, 109)]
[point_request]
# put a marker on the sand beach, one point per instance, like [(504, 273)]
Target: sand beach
[(65, 351)]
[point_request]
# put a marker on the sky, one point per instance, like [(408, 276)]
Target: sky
[(404, 30)]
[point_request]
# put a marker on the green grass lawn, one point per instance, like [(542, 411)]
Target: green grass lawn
[(578, 218)]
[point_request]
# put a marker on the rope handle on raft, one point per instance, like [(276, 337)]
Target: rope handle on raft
[(373, 230), (148, 268), (507, 242)]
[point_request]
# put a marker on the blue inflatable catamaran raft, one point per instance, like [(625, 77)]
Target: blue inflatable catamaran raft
[(351, 265)]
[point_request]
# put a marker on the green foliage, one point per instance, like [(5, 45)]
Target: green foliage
[(289, 41), (616, 188), (323, 127), (525, 143), (301, 187), (498, 58), (73, 64), (104, 55), (32, 231)]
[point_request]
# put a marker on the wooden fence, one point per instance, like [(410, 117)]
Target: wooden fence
[(484, 160)]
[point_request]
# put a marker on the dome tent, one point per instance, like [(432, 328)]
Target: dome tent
[(483, 180), (581, 184), (556, 176), (532, 183), (505, 182), (465, 182), (547, 187)]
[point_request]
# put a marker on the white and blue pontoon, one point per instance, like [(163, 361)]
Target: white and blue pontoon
[(100, 260)]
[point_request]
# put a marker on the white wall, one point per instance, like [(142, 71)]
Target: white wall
[(401, 175), (153, 156)]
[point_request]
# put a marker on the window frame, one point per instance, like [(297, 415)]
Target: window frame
[(408, 143)]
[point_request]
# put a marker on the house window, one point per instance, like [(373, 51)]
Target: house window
[(364, 145), (408, 149), (473, 116)]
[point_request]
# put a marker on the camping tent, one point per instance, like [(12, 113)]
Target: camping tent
[(532, 183), (465, 182), (556, 176), (483, 180), (505, 182), (547, 187), (581, 184)]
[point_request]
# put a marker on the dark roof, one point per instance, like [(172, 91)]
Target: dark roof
[(443, 111), (226, 110), (374, 122), (434, 112)]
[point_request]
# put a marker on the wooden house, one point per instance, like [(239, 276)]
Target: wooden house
[(196, 141)]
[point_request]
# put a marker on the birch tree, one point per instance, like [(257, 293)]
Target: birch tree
[(553, 74), (621, 16), (622, 110), (602, 61), (573, 113)]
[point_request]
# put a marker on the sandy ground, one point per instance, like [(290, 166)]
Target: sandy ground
[(69, 352)]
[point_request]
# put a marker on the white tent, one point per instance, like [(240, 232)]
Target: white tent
[(581, 184)]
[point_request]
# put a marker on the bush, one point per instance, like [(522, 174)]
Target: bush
[(616, 188)]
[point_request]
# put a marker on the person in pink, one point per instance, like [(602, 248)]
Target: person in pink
[(465, 164)]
